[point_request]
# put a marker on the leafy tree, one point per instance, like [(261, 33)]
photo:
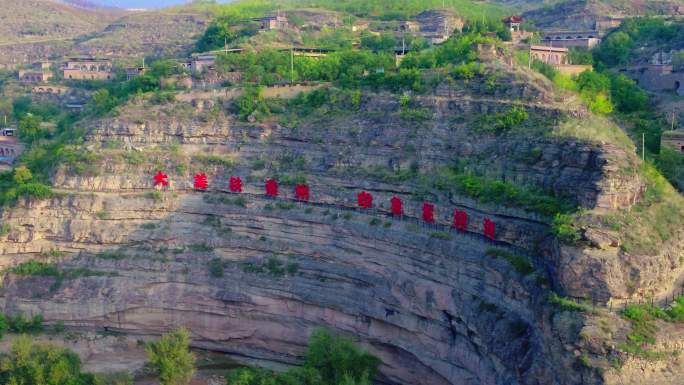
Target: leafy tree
[(3, 325), (615, 49), (31, 363), (671, 163), (580, 56), (30, 129), (545, 69), (626, 95), (101, 102), (593, 82), (22, 175), (595, 89), (598, 103), (20, 106), (170, 356), (383, 42), (251, 101), (330, 360), (217, 34), (336, 357)]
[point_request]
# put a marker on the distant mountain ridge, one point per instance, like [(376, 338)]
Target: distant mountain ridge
[(85, 4)]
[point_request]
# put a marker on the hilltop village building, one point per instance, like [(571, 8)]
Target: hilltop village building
[(39, 73), (567, 39), (10, 146), (659, 74), (437, 26), (133, 72), (271, 23), (87, 68), (674, 139), (514, 24), (554, 56), (199, 62)]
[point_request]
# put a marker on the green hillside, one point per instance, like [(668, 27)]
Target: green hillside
[(362, 8)]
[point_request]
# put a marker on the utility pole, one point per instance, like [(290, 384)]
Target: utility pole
[(643, 146), (292, 65)]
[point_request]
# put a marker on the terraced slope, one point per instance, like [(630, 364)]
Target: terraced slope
[(583, 14), (42, 20)]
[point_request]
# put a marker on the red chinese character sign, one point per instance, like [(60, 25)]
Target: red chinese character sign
[(235, 184), (489, 229), (428, 212), (397, 206), (161, 179), (302, 192), (460, 220), (365, 200), (201, 182), (272, 188)]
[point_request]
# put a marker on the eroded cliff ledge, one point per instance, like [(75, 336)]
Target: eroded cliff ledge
[(253, 277)]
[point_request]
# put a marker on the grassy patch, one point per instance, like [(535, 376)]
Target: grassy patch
[(273, 266), (102, 215), (215, 160), (595, 129), (285, 205), (115, 255), (44, 269), (36, 268), (563, 226), (566, 304), (201, 248), (643, 331), (654, 220), (154, 195), (216, 267), (486, 190), (520, 263), (225, 199), (17, 323), (443, 235)]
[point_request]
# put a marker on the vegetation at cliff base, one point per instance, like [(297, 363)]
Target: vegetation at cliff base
[(171, 359), (330, 360), (38, 363)]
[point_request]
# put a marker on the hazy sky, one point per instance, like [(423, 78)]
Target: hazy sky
[(143, 3)]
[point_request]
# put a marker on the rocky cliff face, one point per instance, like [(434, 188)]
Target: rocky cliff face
[(253, 277)]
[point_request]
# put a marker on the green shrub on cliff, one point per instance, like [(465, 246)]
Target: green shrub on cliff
[(563, 227), (36, 268), (17, 323), (330, 360), (520, 263), (171, 358), (38, 363), (3, 325), (488, 190)]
